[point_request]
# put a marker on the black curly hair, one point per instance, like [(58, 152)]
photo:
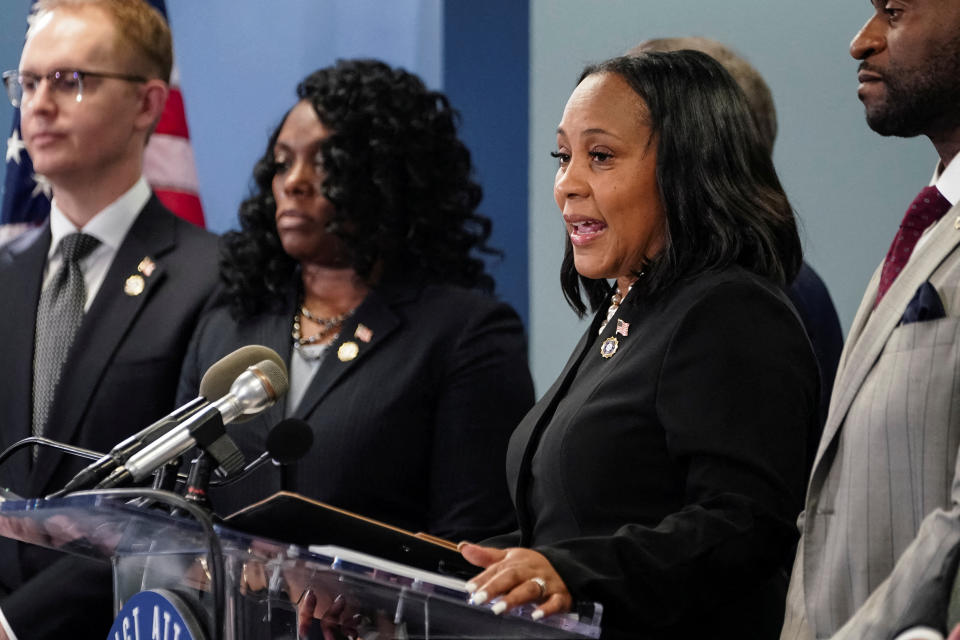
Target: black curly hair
[(398, 177)]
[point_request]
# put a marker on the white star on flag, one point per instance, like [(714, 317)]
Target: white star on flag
[(43, 187), (14, 146)]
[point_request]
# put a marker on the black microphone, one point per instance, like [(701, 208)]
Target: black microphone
[(287, 442), (214, 384), (253, 391)]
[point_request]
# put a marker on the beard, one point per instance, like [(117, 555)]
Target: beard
[(918, 100)]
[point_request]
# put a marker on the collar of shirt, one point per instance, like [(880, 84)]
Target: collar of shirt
[(109, 226), (947, 180)]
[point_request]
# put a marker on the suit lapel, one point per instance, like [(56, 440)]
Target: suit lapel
[(24, 261), (872, 327), (349, 350), (530, 429), (864, 311), (107, 323)]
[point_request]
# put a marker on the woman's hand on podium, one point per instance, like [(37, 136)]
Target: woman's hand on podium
[(517, 576)]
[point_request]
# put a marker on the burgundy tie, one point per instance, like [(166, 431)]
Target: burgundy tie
[(928, 207)]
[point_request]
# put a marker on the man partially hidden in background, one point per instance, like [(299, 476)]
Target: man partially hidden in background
[(807, 292)]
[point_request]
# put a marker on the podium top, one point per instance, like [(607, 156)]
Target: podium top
[(269, 570)]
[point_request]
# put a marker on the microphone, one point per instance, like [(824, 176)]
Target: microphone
[(287, 442), (231, 366), (214, 384), (253, 391)]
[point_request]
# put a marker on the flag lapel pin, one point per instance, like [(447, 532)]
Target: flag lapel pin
[(623, 328), (363, 333), (147, 266)]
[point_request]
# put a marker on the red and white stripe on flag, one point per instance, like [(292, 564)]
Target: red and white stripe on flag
[(169, 165)]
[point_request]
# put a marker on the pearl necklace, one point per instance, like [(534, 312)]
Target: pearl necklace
[(615, 301)]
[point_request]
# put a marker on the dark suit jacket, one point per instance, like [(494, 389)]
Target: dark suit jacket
[(664, 480), (121, 374), (809, 295), (413, 431)]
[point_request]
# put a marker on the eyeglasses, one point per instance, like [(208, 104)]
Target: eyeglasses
[(62, 82)]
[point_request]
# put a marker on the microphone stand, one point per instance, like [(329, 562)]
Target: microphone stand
[(166, 477), (80, 452), (198, 481)]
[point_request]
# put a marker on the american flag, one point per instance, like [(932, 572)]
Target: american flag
[(168, 166)]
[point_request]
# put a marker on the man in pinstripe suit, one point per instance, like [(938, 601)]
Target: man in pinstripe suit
[(881, 526)]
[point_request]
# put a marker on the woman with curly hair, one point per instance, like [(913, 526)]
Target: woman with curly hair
[(357, 260)]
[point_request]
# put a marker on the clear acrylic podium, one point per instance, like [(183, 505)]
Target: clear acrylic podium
[(268, 589)]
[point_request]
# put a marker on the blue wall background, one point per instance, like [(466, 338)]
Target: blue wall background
[(239, 70), (13, 26)]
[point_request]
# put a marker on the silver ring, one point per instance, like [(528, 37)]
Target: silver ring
[(542, 584)]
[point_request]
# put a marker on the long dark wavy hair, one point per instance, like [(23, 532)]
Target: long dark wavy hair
[(721, 196), (399, 180)]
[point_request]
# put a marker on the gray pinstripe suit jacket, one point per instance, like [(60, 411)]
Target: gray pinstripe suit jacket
[(881, 525)]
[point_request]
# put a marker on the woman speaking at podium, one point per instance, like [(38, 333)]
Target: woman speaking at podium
[(359, 259), (662, 473)]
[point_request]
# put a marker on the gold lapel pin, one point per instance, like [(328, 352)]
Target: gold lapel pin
[(146, 266), (348, 351), (609, 347), (134, 285)]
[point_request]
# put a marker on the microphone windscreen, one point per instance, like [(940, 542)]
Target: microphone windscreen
[(276, 378), (289, 441), (221, 374)]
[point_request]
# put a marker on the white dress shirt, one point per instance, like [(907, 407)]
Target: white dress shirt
[(109, 226)]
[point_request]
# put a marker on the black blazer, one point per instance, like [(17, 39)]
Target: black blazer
[(121, 375), (412, 431), (663, 481), (809, 295)]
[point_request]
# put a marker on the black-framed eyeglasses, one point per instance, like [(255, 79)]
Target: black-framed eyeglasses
[(62, 82)]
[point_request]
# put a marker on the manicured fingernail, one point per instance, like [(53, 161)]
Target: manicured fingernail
[(479, 597), (537, 614), (499, 608), (470, 587)]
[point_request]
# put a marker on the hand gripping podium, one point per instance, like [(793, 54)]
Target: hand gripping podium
[(177, 577)]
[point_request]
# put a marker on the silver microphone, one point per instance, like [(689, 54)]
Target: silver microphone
[(253, 391)]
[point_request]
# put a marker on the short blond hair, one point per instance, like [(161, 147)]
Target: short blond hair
[(751, 82), (141, 30)]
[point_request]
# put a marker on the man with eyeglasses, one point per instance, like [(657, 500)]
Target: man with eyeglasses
[(100, 302)]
